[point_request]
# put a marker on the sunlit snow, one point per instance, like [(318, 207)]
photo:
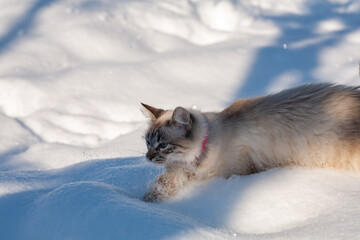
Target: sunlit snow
[(73, 74)]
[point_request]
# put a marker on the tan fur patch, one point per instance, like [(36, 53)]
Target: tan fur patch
[(342, 106)]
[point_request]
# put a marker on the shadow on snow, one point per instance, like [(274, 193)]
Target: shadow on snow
[(23, 25), (273, 61)]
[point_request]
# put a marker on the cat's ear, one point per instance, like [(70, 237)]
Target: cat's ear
[(181, 118), (152, 112)]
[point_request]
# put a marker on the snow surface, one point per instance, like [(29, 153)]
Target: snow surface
[(73, 74)]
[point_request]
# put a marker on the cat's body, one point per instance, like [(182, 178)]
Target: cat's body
[(315, 125)]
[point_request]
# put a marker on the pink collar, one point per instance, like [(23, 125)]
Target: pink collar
[(203, 146)]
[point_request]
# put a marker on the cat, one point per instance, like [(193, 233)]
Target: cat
[(314, 125)]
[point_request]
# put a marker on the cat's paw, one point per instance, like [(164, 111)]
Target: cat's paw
[(150, 197)]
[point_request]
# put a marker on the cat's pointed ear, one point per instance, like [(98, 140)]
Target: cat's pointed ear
[(181, 117), (152, 112)]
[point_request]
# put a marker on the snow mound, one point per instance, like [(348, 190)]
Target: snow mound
[(101, 199), (73, 74), (98, 211)]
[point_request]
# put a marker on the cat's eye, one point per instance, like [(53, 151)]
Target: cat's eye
[(163, 145)]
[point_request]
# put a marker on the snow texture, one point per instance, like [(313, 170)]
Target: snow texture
[(73, 74)]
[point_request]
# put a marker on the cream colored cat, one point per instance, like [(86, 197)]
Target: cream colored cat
[(316, 125)]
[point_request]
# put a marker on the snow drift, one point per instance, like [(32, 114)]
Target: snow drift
[(72, 76)]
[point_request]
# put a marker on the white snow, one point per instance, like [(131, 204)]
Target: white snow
[(330, 25), (73, 74)]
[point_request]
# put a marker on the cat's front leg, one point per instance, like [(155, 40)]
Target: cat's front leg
[(168, 184)]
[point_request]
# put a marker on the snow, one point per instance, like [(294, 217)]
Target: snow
[(73, 74)]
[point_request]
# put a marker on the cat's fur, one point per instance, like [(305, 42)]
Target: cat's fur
[(316, 125)]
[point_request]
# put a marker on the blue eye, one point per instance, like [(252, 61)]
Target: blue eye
[(163, 145)]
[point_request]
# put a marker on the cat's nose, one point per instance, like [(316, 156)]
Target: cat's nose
[(150, 155)]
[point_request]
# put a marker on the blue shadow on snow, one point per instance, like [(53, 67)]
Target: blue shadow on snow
[(275, 60), (23, 24)]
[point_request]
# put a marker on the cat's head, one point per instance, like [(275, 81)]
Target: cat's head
[(174, 136)]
